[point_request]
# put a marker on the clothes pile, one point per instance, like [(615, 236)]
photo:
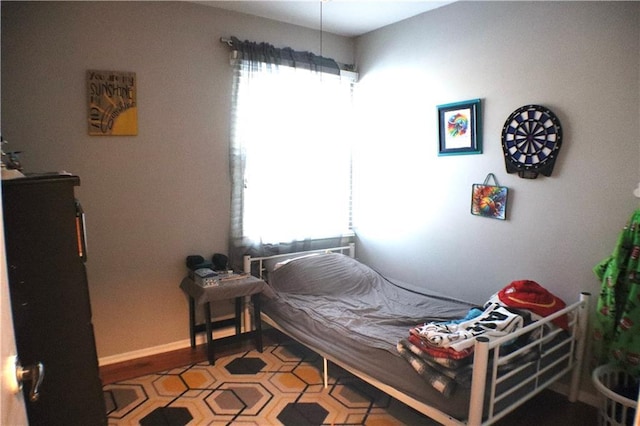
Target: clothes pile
[(442, 352)]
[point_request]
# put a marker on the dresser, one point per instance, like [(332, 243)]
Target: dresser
[(45, 250)]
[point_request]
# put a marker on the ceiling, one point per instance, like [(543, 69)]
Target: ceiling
[(348, 18)]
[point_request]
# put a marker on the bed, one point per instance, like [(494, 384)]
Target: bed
[(354, 317)]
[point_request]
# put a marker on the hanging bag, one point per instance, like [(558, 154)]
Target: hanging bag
[(489, 200)]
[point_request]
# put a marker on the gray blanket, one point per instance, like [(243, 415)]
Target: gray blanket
[(354, 300)]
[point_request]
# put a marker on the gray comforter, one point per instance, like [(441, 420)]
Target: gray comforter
[(352, 299), (345, 309)]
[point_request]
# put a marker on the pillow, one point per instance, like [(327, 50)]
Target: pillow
[(330, 273)]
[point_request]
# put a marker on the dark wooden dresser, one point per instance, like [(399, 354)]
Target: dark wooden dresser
[(45, 249)]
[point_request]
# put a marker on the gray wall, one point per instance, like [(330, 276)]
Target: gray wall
[(581, 60), (154, 198)]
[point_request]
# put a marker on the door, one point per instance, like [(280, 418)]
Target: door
[(12, 407)]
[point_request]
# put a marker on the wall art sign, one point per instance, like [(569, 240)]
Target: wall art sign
[(489, 200), (459, 128), (113, 105)]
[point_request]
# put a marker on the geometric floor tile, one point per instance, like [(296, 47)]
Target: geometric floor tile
[(288, 383), (198, 378), (354, 393), (309, 374), (283, 385), (169, 385), (301, 413), (245, 366), (167, 416), (121, 400), (239, 398)]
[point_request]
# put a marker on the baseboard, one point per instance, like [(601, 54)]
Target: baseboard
[(156, 350)]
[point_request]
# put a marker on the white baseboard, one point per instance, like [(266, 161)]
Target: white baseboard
[(156, 350)]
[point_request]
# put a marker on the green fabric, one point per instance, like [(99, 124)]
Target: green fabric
[(617, 326)]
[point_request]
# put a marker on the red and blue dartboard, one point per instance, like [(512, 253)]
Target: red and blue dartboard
[(531, 141)]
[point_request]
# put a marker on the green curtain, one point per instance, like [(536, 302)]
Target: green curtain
[(616, 332)]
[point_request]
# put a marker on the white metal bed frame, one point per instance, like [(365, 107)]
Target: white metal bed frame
[(486, 358)]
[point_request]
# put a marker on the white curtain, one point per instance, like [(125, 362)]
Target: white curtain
[(290, 155)]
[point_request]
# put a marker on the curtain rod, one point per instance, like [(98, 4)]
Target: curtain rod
[(343, 67)]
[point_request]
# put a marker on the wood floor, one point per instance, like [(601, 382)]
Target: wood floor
[(547, 409), (152, 364)]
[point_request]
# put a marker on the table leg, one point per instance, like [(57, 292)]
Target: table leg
[(209, 330), (238, 315), (246, 315), (192, 321), (257, 320)]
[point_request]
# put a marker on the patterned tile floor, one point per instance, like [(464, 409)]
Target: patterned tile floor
[(281, 386)]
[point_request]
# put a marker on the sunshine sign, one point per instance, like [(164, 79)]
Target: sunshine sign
[(113, 107)]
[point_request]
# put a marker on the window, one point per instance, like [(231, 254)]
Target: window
[(291, 154)]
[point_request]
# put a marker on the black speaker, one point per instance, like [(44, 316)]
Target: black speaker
[(195, 261), (220, 262)]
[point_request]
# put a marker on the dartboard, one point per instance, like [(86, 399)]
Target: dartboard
[(531, 140)]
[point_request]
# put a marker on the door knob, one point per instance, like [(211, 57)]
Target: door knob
[(31, 373)]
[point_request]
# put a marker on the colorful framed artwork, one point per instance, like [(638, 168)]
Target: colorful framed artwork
[(113, 104), (459, 128), (489, 200)]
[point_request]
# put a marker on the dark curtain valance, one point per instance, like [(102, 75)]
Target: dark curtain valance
[(265, 52)]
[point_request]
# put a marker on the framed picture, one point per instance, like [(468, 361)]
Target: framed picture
[(459, 128), (112, 102), (489, 201)]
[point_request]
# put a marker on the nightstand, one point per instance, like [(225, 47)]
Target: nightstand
[(236, 287)]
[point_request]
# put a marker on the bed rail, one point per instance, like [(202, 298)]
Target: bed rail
[(552, 362), (349, 250)]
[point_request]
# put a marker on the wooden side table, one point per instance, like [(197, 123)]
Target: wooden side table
[(237, 288)]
